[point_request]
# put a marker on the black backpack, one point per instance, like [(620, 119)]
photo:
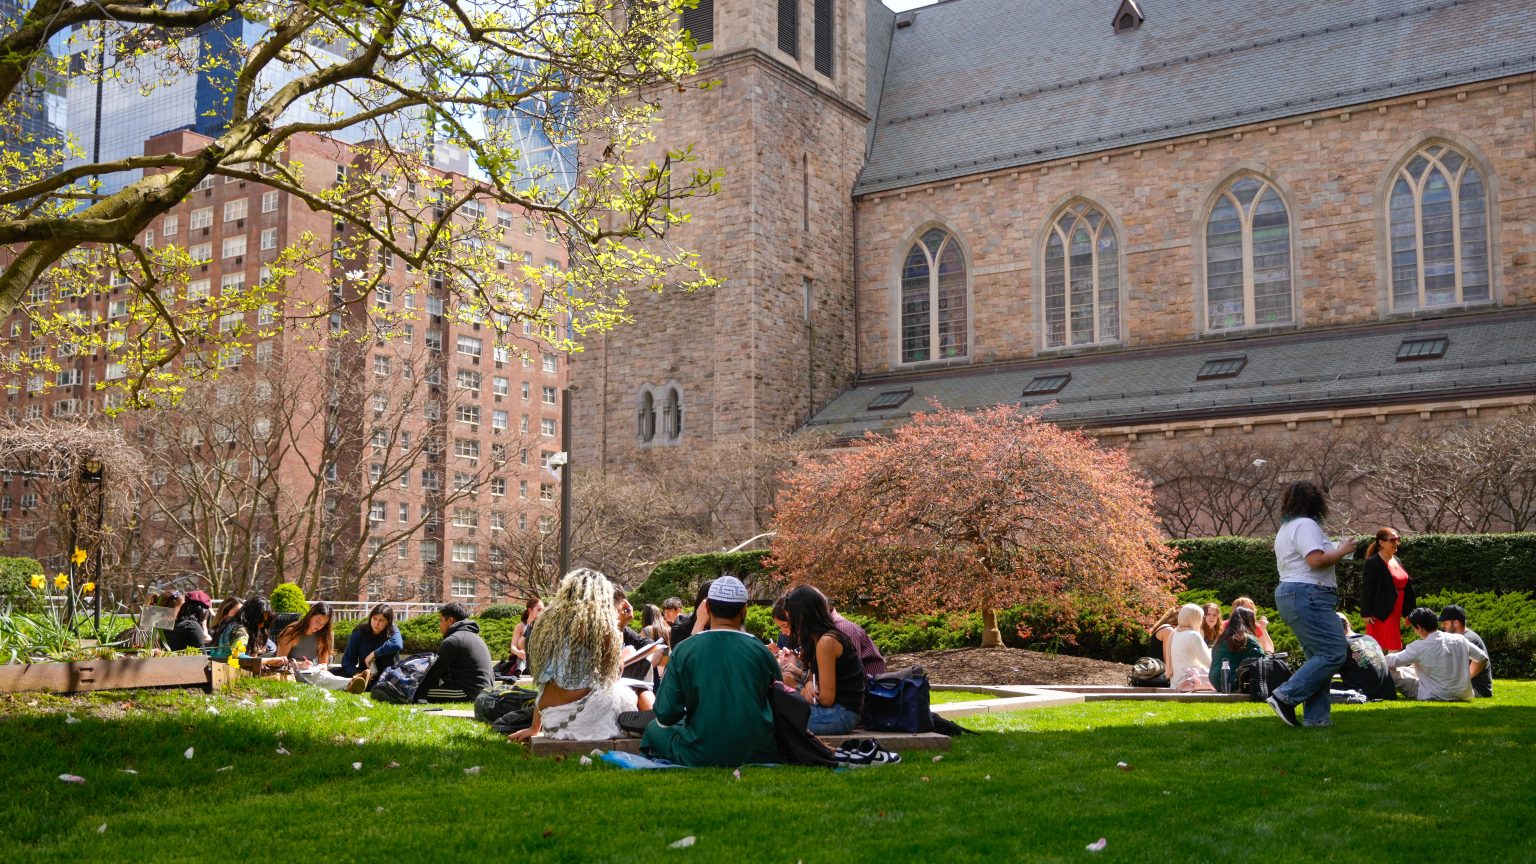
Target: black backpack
[(1259, 676), (897, 701)]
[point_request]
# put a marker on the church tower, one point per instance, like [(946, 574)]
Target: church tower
[(787, 122)]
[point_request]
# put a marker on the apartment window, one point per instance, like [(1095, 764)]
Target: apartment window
[(265, 315), (201, 253), (546, 491), (1438, 229), (435, 304), (231, 321), (522, 489), (429, 554), (498, 486), (522, 424), (525, 391), (469, 381), (469, 346), (467, 414), (263, 352), (405, 512), (116, 309), (236, 209), (551, 395), (269, 202), (381, 365), (499, 420), (501, 387), (547, 427), (465, 553), (231, 283), (169, 226), (465, 518), (376, 510), (70, 377), (384, 294), (269, 238), (463, 587), (550, 363), (463, 482), (546, 524), (466, 448), (201, 218), (149, 239), (198, 289)]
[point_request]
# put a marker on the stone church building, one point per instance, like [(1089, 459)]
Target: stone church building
[(1171, 221)]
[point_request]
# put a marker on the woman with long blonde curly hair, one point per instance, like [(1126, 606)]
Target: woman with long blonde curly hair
[(574, 660)]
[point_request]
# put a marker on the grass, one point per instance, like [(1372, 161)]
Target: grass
[(1206, 783), (944, 697)]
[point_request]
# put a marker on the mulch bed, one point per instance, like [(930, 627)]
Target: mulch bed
[(1010, 666)]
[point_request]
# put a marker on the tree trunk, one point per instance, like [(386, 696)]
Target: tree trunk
[(991, 637)]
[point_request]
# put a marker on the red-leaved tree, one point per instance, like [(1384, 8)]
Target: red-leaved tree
[(974, 510)]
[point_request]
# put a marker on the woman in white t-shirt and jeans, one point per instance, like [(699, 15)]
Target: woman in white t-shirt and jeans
[(1308, 599)]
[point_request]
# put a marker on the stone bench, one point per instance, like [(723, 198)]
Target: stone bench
[(898, 741)]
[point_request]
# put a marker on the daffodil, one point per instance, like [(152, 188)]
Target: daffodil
[(61, 581), (79, 556), (38, 582), (88, 587)]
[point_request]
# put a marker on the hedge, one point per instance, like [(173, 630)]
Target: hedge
[(681, 576), (15, 584), (423, 633), (1497, 563), (288, 599)]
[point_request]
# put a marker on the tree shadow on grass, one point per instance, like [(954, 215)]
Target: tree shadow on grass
[(1205, 783)]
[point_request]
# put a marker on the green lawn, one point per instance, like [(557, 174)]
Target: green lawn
[(1209, 783)]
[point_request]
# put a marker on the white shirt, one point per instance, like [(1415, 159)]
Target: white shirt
[(1295, 540), (1443, 662), (1186, 649)]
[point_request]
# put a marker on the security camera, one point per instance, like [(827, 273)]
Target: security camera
[(559, 460)]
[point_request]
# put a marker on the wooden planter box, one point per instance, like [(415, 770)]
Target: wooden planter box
[(125, 674)]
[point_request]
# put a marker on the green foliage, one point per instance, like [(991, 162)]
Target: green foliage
[(423, 633), (1080, 629), (288, 598), (15, 588), (501, 610), (933, 632), (760, 623), (1507, 623), (341, 631), (681, 576), (1236, 566)]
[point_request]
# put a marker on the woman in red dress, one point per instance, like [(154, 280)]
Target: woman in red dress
[(1386, 591)]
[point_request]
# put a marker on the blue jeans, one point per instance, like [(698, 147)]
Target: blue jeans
[(836, 720), (1309, 610)]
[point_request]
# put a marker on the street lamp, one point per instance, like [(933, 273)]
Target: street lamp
[(564, 464)]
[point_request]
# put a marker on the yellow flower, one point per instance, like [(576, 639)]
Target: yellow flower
[(37, 583), (88, 587), (79, 556), (61, 581)]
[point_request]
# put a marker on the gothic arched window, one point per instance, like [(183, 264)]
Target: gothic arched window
[(1437, 214), (1247, 257), (645, 419), (933, 280), (672, 414), (1082, 278)]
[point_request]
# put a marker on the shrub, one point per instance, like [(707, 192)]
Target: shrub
[(423, 633), (759, 623), (288, 598), (15, 584), (681, 576), (1507, 623), (341, 631), (501, 611)]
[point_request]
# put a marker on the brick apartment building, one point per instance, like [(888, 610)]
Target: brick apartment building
[(1180, 224), (430, 517)]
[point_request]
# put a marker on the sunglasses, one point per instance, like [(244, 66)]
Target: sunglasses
[(1393, 540)]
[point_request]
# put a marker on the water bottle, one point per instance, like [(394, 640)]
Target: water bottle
[(1226, 676)]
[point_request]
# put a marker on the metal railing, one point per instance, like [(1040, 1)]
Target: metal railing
[(341, 610)]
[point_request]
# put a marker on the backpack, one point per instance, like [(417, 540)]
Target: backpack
[(501, 699), (897, 701), (790, 715), (1259, 676), (397, 684)]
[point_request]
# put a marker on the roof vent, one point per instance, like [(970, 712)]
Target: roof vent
[(905, 19), (1047, 384), (1128, 16), (1221, 367), (889, 399), (1423, 348)]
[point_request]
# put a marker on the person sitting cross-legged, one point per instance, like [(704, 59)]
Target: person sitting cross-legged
[(574, 661), (1453, 619), (834, 673), (1443, 663), (373, 647), (463, 665), (712, 708)]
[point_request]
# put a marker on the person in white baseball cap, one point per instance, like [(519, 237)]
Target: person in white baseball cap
[(712, 708)]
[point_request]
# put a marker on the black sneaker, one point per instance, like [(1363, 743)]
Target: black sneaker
[(634, 722), (1286, 710)]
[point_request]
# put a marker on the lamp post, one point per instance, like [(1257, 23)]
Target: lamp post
[(92, 473), (564, 464)]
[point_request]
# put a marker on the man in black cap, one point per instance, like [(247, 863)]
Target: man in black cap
[(1453, 619)]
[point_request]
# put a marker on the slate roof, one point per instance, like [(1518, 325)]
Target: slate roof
[(978, 85), (1489, 353), (879, 24)]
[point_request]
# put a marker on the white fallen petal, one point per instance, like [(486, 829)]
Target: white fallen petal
[(362, 741), (70, 719), (225, 768), (597, 752), (378, 809), (71, 778), (1098, 845), (364, 719), (293, 698), (126, 771), (988, 777), (938, 758), (393, 765), (212, 710), (102, 829), (330, 698), (1121, 765), (736, 773), (357, 766), (282, 751), (191, 751), (586, 760), (472, 770), (683, 843)]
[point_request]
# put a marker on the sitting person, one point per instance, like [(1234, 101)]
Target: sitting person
[(834, 674), (191, 630), (1189, 657), (309, 638), (869, 655), (697, 622), (1453, 619), (1211, 625), (1262, 632), (373, 647), (574, 661), (712, 708), (1160, 637), (1235, 644), (670, 609), (519, 648), (633, 642), (463, 665), (252, 640), (1365, 666), (1442, 663)]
